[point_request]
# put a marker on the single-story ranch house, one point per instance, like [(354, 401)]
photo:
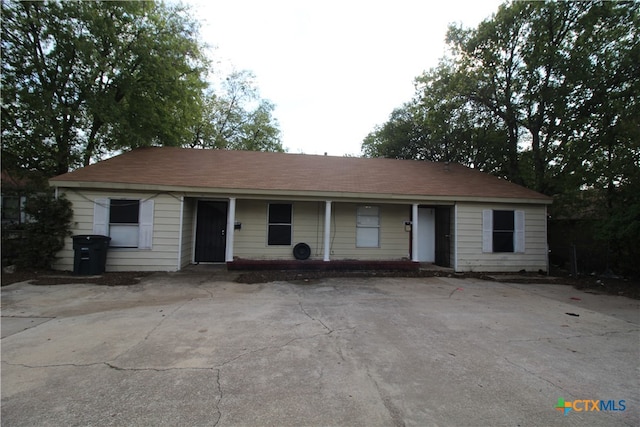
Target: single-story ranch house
[(165, 208)]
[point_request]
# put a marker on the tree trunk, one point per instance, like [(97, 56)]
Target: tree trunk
[(62, 155), (91, 142), (512, 152), (538, 162)]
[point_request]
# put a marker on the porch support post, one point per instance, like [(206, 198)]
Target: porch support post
[(414, 233), (231, 221), (327, 230)]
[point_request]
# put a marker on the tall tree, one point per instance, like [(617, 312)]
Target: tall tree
[(528, 63), (555, 86), (440, 124), (237, 118), (84, 78), (558, 79), (487, 59), (604, 128)]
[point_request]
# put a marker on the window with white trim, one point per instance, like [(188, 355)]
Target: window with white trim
[(129, 222), (123, 223), (280, 224), (368, 227), (503, 231)]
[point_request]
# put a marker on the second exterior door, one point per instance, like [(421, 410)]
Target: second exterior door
[(426, 235), (443, 236), (211, 224)]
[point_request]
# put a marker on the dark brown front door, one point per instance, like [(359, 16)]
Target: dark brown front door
[(443, 236), (211, 224)]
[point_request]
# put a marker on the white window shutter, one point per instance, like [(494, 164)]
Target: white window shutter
[(146, 225), (101, 217), (518, 232), (487, 230)]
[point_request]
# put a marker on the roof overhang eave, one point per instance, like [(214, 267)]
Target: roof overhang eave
[(294, 194)]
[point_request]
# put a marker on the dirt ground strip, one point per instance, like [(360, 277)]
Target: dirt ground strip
[(629, 287)]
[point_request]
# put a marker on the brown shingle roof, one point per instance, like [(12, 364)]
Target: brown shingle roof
[(250, 170)]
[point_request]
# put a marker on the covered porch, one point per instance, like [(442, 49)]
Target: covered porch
[(340, 234)]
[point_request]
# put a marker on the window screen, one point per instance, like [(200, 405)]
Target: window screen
[(503, 226), (279, 232), (123, 223), (368, 227)]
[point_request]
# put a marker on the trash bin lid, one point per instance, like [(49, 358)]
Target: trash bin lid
[(90, 237)]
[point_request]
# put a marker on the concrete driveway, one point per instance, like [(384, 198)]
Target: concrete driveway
[(197, 350)]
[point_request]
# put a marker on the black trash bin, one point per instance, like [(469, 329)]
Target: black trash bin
[(90, 254)]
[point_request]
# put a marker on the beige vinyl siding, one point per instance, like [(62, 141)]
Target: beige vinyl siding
[(468, 241), (394, 240), (308, 227), (251, 240), (163, 256)]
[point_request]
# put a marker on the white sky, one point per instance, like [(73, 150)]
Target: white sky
[(333, 69)]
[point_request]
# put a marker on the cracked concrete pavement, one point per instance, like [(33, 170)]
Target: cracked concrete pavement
[(199, 350)]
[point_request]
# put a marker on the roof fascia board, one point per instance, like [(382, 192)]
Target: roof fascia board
[(297, 194)]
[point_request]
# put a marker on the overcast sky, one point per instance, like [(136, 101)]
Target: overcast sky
[(333, 69)]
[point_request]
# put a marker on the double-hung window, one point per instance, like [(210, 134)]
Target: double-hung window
[(124, 223), (280, 224), (129, 222), (368, 227), (502, 231)]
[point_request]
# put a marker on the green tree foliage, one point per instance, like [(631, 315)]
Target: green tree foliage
[(440, 125), (236, 118), (81, 79), (545, 95)]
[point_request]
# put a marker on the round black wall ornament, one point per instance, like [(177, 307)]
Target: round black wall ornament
[(301, 251)]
